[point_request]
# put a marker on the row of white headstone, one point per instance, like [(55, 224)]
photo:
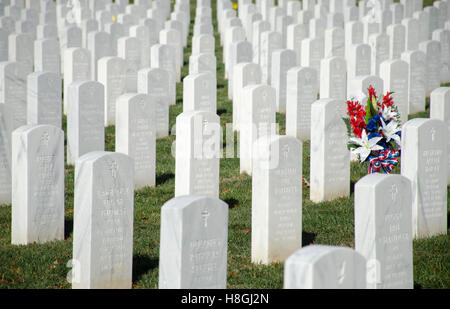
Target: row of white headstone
[(197, 174), (249, 41)]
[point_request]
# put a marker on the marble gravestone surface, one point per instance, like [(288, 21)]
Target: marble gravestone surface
[(194, 242), (21, 49), (100, 45), (440, 109), (325, 267), (44, 104), (77, 68), (330, 158), (155, 82), (333, 77), (85, 119), (103, 221), (417, 83), (136, 135), (359, 60), (129, 48), (357, 87), (200, 93), (295, 34), (424, 163), (313, 50), (245, 74), (203, 63), (5, 158), (302, 90), (282, 61), (432, 50), (198, 152), (47, 56), (203, 44), (383, 230), (270, 41), (257, 119), (395, 80), (37, 184), (13, 83), (276, 198), (113, 75), (163, 57)]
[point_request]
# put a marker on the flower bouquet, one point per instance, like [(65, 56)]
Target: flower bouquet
[(375, 132)]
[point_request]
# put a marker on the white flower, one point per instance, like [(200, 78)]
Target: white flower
[(390, 131), (388, 113), (367, 146)]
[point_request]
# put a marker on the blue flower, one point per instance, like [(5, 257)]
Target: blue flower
[(374, 134), (378, 118), (372, 125)]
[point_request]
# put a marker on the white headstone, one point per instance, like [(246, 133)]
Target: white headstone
[(380, 51), (276, 198), (47, 56), (197, 154), (112, 73), (13, 82), (155, 82), (129, 48), (440, 109), (417, 84), (394, 74), (383, 230), (163, 57), (44, 104), (100, 45), (432, 50), (359, 60), (257, 119), (282, 61), (77, 67), (333, 77), (245, 74), (193, 244), (37, 184), (200, 93), (5, 158), (85, 119), (270, 41), (330, 158), (136, 135), (424, 163), (103, 221), (302, 91), (325, 267)]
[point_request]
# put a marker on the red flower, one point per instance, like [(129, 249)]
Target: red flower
[(357, 114), (388, 100), (372, 92)]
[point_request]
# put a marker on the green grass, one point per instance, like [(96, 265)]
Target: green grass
[(44, 265)]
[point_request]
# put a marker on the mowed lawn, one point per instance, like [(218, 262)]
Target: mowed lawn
[(331, 223)]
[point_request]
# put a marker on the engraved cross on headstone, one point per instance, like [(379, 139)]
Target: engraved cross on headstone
[(394, 192), (205, 216), (433, 134)]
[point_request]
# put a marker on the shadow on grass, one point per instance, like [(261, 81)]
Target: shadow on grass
[(221, 111), (161, 179), (307, 238), (68, 227), (142, 264), (232, 202)]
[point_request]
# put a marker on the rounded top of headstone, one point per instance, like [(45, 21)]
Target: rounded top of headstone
[(378, 178), (184, 201), (314, 253)]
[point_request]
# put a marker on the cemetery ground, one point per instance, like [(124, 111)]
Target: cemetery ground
[(332, 223)]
